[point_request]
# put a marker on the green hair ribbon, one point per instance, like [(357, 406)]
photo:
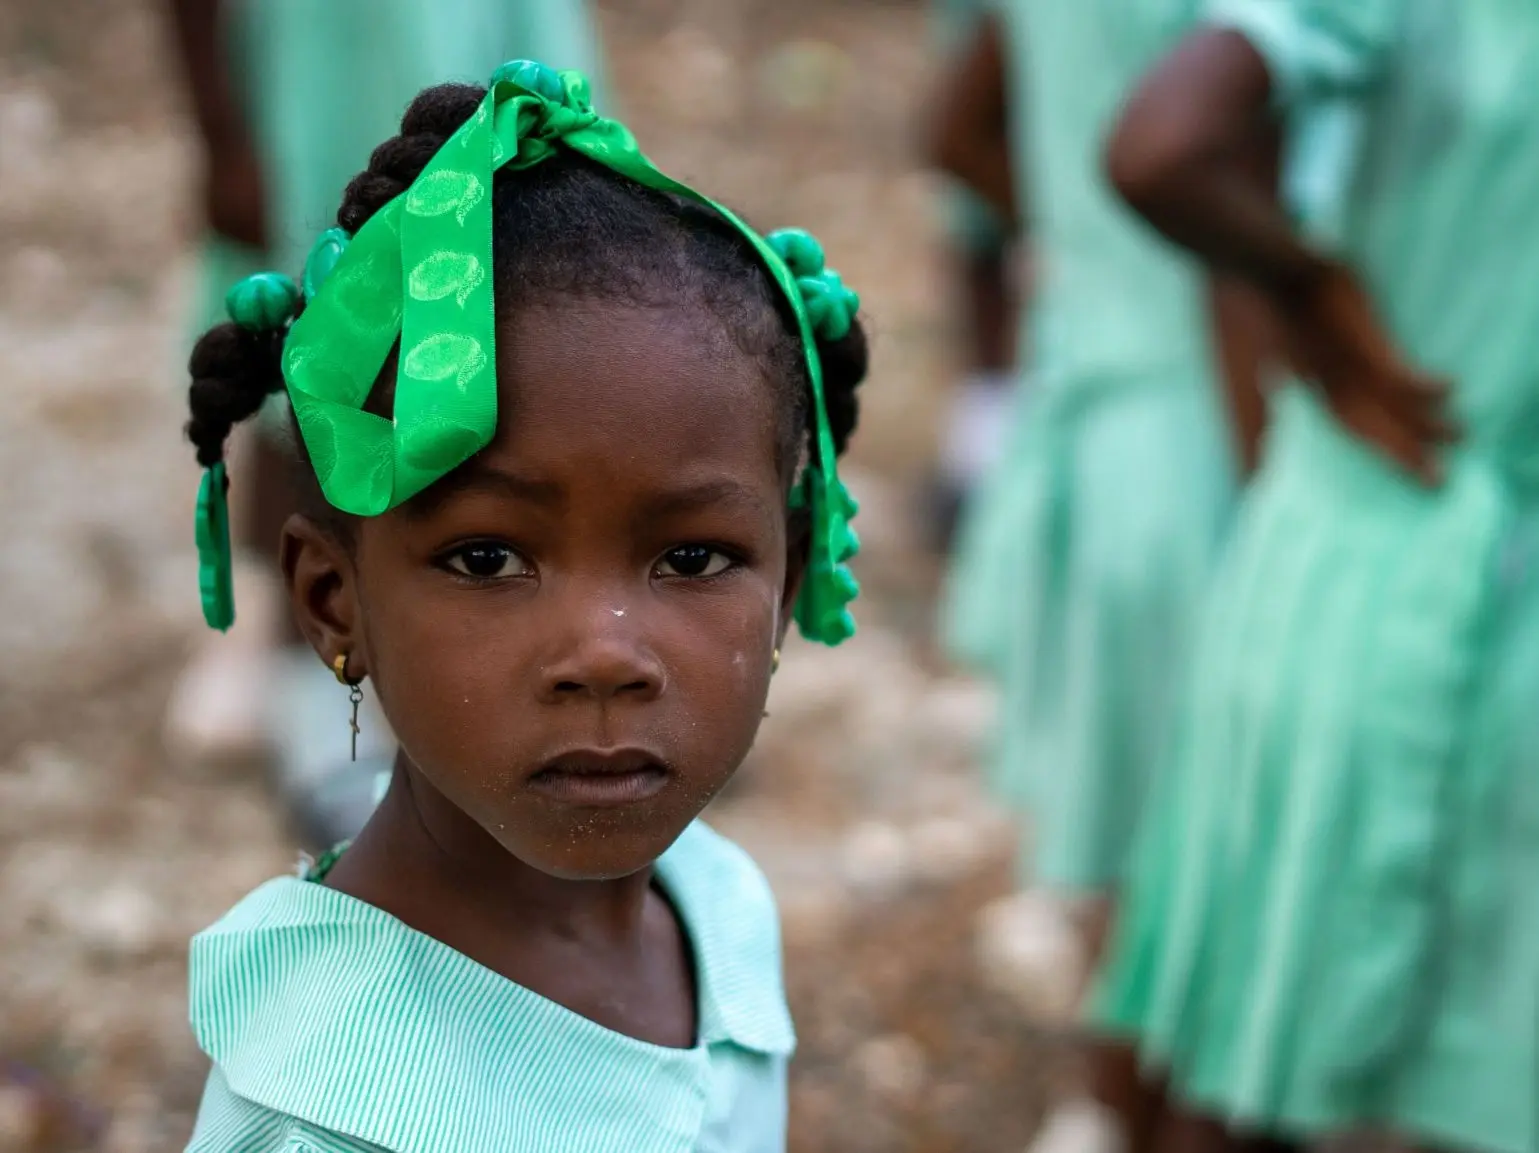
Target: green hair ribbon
[(259, 303), (420, 270)]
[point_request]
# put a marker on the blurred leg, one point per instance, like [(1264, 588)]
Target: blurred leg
[(1137, 1100)]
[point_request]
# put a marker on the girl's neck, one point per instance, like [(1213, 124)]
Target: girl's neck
[(424, 861), (614, 951)]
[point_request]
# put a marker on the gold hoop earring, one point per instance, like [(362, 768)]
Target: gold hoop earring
[(354, 694)]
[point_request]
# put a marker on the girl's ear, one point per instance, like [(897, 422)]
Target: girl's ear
[(798, 548), (323, 590)]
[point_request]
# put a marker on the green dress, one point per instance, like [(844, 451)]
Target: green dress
[(335, 1028), (1334, 918), (1083, 561), (324, 83)]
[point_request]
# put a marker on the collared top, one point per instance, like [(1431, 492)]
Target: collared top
[(1414, 153), (335, 1028)]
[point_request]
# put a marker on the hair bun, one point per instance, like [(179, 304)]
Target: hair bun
[(234, 370), (435, 115)]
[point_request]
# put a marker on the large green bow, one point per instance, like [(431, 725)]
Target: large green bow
[(420, 270)]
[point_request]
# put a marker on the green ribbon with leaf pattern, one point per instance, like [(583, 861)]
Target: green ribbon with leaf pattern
[(420, 270)]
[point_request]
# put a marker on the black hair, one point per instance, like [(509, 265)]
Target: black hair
[(566, 226)]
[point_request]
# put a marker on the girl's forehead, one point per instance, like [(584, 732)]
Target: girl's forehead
[(592, 377)]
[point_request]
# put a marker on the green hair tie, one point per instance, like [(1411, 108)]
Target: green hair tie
[(419, 271), (262, 302), (830, 305), (216, 564)]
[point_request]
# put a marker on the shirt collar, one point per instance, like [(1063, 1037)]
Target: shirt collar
[(323, 1007)]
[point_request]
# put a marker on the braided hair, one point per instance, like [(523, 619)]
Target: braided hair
[(566, 226)]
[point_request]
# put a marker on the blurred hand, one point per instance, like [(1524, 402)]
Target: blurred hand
[(234, 195), (1335, 340)]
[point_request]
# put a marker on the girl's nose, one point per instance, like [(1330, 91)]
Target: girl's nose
[(607, 661)]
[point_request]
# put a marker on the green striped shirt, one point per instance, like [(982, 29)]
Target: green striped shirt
[(335, 1028)]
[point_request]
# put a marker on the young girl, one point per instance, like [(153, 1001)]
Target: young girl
[(289, 97), (1334, 922), (570, 435)]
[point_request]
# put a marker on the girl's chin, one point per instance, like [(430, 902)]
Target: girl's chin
[(588, 851)]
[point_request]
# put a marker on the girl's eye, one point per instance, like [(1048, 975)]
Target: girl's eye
[(485, 560), (693, 560)]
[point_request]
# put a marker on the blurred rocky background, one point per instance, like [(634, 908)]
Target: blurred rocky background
[(861, 801)]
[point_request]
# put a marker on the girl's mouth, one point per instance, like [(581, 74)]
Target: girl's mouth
[(600, 778)]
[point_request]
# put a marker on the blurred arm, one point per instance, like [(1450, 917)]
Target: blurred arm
[(234, 199), (1247, 343), (198, 27), (969, 134), (1182, 157), (1247, 334)]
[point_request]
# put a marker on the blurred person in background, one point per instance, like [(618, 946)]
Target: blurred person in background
[(1083, 565), (1332, 922), (982, 251), (289, 96)]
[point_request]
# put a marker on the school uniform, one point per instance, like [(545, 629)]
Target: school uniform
[(335, 1028), (1083, 563), (1333, 920)]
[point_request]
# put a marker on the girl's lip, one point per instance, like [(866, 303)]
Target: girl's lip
[(598, 778)]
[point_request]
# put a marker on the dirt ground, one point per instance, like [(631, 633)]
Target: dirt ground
[(861, 799)]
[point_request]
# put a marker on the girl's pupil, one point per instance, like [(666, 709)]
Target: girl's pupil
[(484, 560), (690, 559)]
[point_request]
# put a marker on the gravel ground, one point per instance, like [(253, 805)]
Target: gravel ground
[(860, 799)]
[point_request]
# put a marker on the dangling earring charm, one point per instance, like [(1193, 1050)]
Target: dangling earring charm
[(354, 694)]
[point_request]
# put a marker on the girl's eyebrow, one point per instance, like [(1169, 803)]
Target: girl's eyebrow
[(706, 493), (686, 497), (475, 476)]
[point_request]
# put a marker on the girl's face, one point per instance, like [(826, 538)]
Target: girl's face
[(572, 634)]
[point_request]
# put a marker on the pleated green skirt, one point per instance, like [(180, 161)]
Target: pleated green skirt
[(1081, 571), (1333, 918)]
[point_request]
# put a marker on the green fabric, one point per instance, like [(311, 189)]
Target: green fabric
[(334, 1027), (419, 270), (1082, 562), (216, 572), (1111, 295), (324, 84), (1333, 920)]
